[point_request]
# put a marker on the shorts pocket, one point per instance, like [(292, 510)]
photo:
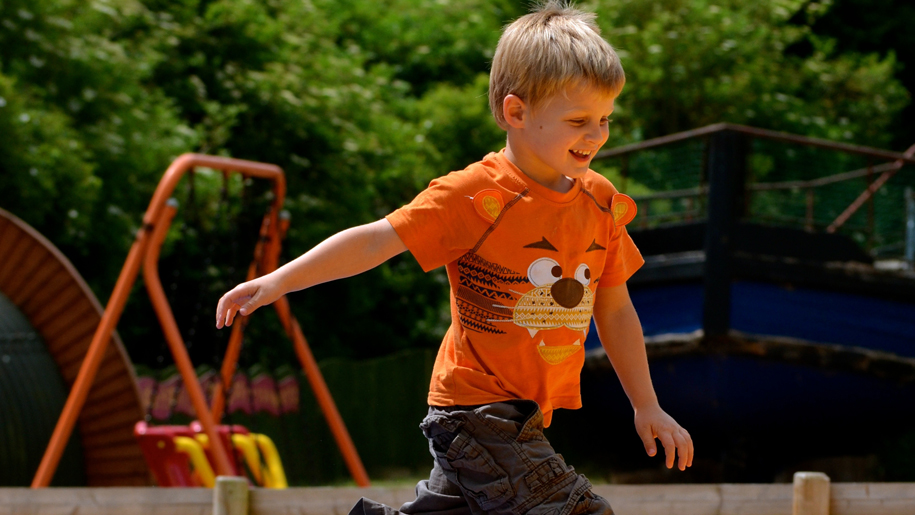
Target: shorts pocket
[(592, 503), (477, 473), (440, 431), (564, 494)]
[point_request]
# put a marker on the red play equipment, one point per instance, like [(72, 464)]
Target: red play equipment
[(182, 455), (216, 441), (174, 456)]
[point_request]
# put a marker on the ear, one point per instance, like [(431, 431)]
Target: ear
[(515, 111)]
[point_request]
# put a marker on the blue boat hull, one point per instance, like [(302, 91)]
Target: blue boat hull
[(761, 411)]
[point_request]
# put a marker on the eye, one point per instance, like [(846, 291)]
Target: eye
[(583, 274), (605, 121), (544, 271)]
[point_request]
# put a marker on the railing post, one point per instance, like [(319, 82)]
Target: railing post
[(811, 493), (910, 226), (726, 181), (871, 233), (809, 221), (230, 496)]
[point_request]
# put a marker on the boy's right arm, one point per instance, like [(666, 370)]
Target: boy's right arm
[(344, 254)]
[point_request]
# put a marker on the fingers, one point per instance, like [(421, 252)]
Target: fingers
[(238, 300), (221, 312), (677, 443), (690, 447), (231, 310), (647, 436), (670, 447), (225, 311)]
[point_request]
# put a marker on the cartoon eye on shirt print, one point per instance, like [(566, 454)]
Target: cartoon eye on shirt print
[(562, 295)]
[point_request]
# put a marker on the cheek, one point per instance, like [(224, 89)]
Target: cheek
[(605, 134)]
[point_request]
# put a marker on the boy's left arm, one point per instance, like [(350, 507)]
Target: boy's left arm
[(621, 336)]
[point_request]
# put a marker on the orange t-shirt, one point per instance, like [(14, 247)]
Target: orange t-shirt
[(523, 262)]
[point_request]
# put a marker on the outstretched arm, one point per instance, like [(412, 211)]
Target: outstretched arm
[(621, 336), (344, 254)]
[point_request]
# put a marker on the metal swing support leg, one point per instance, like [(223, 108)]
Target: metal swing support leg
[(319, 387), (266, 260), (145, 251)]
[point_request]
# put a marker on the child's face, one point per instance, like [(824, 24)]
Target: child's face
[(562, 135)]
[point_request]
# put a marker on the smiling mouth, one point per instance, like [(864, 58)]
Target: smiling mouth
[(558, 353), (584, 154)]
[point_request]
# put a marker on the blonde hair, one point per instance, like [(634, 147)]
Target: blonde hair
[(543, 52)]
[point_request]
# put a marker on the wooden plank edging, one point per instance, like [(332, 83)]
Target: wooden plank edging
[(867, 498), (702, 499)]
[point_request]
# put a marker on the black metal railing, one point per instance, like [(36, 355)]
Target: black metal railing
[(772, 178)]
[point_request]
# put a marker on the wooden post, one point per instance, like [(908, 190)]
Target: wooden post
[(811, 493), (811, 195), (910, 226), (230, 497), (871, 229)]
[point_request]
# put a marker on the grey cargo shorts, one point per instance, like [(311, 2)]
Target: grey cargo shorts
[(494, 459)]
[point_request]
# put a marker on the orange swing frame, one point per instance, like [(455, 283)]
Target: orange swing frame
[(145, 251)]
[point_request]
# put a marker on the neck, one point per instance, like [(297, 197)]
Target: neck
[(542, 175)]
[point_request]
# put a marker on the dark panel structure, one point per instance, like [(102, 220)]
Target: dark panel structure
[(47, 318)]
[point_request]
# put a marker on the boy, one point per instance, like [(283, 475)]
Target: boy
[(532, 252)]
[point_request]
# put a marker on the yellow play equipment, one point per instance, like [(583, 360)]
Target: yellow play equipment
[(182, 455)]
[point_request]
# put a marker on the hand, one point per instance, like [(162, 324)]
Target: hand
[(653, 422), (245, 298)]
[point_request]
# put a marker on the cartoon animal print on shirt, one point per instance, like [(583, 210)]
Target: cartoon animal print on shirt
[(561, 298)]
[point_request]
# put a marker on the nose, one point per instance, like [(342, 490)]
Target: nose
[(567, 292), (597, 133)]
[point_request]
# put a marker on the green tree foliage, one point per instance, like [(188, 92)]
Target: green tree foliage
[(427, 42), (878, 26), (272, 82), (84, 138), (41, 150), (362, 103), (693, 63)]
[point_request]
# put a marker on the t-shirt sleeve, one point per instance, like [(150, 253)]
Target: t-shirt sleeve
[(440, 224), (623, 259)]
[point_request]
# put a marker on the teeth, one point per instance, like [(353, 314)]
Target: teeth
[(577, 342), (582, 153)]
